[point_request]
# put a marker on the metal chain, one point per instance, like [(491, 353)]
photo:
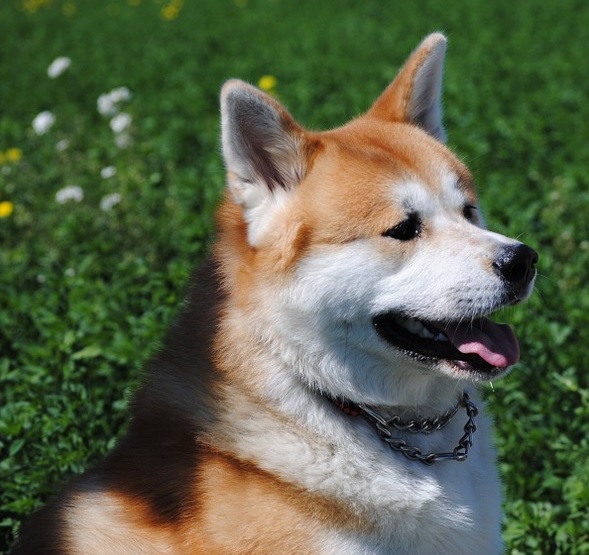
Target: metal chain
[(425, 426), (459, 453)]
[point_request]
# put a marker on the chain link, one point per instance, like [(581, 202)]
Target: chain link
[(459, 453)]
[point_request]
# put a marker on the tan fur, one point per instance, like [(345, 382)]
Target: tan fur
[(240, 501)]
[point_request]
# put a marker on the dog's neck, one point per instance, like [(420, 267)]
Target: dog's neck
[(403, 417), (389, 430)]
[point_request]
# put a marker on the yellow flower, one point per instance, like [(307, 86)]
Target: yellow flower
[(6, 208), (69, 9), (267, 83), (172, 10), (13, 155), (169, 12), (33, 6)]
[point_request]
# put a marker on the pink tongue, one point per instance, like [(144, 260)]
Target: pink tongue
[(494, 343)]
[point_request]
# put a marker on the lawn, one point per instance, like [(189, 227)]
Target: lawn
[(106, 206)]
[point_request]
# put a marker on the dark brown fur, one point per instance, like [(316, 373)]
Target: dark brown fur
[(156, 458)]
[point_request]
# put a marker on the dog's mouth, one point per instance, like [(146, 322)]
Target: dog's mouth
[(477, 346)]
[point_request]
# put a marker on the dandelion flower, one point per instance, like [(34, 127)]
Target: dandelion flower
[(267, 83), (69, 9), (58, 66), (172, 10), (120, 123), (109, 201), (6, 208), (13, 155), (70, 193), (108, 172), (43, 122)]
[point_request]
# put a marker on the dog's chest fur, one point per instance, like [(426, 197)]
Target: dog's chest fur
[(369, 499)]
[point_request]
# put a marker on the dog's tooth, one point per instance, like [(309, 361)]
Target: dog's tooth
[(414, 326), (417, 328), (425, 333), (404, 323)]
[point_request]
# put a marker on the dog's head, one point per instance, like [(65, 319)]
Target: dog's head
[(360, 253)]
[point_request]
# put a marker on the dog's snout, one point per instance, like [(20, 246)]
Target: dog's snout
[(517, 265)]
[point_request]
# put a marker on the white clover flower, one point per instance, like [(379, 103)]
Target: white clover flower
[(70, 193), (123, 140), (120, 94), (105, 105), (70, 272), (43, 122), (109, 201), (62, 145), (58, 66), (108, 172), (120, 123), (108, 103)]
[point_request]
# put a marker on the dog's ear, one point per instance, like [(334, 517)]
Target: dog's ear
[(415, 96), (266, 152)]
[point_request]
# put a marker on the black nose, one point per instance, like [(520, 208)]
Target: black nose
[(517, 265)]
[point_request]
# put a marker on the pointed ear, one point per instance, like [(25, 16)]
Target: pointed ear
[(265, 150), (415, 96)]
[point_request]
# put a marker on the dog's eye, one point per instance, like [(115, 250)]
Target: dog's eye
[(470, 213), (405, 231)]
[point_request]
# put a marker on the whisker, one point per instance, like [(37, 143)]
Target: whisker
[(346, 342)]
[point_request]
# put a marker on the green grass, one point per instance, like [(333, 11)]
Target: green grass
[(86, 294)]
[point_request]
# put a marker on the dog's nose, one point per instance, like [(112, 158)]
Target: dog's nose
[(517, 265)]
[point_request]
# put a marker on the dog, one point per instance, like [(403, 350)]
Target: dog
[(318, 392)]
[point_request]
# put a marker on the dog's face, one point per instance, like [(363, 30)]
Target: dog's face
[(371, 266)]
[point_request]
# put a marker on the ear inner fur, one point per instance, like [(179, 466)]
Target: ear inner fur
[(262, 143), (415, 94)]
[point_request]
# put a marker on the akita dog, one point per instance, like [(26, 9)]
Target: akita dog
[(318, 392)]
